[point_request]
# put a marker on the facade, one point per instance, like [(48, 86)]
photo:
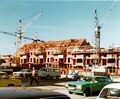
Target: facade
[(67, 54)]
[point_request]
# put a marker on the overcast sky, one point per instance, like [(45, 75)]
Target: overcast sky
[(59, 20)]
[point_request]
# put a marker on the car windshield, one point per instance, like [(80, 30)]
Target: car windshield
[(101, 79), (110, 93), (87, 78), (73, 73), (25, 70), (2, 75)]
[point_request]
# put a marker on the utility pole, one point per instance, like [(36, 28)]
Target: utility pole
[(97, 40)]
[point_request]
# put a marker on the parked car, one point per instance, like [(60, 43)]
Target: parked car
[(7, 69), (29, 93), (88, 85), (48, 72), (73, 76), (22, 73), (5, 80), (110, 91)]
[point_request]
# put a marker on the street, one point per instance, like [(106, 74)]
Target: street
[(55, 85), (62, 89)]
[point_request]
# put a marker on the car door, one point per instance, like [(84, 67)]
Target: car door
[(100, 83), (4, 80), (93, 84)]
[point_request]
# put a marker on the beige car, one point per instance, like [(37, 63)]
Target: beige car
[(48, 72), (5, 80)]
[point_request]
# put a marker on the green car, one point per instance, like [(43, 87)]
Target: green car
[(88, 85)]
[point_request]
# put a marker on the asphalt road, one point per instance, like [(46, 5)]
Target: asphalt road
[(62, 89), (55, 85)]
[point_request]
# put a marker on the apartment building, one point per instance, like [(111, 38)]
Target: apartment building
[(67, 54)]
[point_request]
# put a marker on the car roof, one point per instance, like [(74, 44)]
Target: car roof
[(29, 93), (49, 68), (95, 76), (113, 85), (25, 69), (2, 72)]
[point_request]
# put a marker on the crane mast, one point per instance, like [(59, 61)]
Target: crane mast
[(97, 40), (19, 34), (18, 37)]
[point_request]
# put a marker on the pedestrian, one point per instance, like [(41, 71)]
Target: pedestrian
[(33, 77)]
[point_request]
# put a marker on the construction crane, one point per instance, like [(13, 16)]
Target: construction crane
[(97, 40), (20, 30), (19, 36), (19, 33), (97, 34), (24, 37)]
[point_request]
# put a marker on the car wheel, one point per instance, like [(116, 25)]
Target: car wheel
[(11, 85), (48, 77), (70, 92), (21, 75), (58, 77), (87, 92)]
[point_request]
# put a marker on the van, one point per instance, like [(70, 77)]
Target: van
[(48, 72), (7, 69)]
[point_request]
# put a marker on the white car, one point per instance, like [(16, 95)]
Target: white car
[(73, 76), (23, 72), (110, 91)]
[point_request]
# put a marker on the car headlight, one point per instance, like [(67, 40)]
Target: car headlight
[(79, 87), (66, 85)]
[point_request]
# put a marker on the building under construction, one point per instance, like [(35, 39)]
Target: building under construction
[(67, 54)]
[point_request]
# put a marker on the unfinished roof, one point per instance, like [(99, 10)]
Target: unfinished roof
[(62, 44)]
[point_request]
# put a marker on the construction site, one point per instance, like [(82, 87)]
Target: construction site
[(74, 53)]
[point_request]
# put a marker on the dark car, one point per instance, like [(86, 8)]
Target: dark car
[(29, 93)]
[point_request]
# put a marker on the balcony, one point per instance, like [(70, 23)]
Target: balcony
[(57, 52)]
